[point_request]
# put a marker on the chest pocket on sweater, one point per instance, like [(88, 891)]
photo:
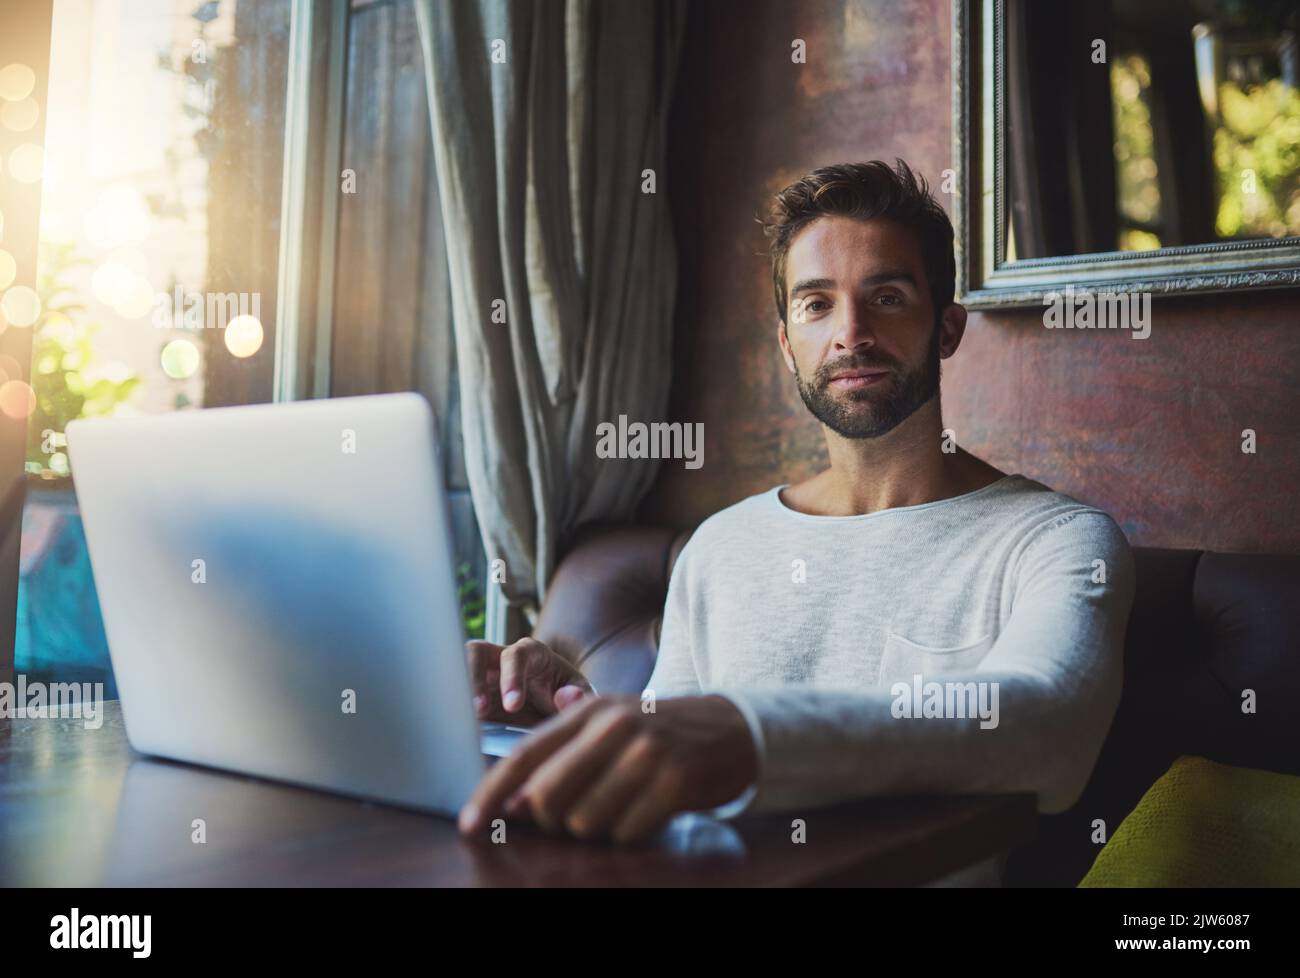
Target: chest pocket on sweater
[(903, 658)]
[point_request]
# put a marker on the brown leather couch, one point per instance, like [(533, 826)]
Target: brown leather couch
[(1205, 627)]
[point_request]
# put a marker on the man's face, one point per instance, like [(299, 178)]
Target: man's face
[(862, 336)]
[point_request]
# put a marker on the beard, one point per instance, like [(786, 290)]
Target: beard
[(873, 411)]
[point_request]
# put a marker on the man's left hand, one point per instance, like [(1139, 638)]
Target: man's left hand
[(605, 768)]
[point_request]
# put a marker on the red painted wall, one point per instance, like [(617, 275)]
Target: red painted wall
[(1149, 430)]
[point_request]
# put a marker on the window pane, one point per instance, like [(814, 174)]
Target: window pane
[(158, 257)]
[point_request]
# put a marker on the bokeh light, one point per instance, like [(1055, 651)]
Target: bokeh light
[(180, 358), (16, 82), (244, 336), (19, 116), (139, 303), (112, 282), (126, 286), (8, 269), (17, 399), (26, 163), (120, 217), (21, 306)]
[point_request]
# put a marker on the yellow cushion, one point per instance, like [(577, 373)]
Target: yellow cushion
[(1207, 824)]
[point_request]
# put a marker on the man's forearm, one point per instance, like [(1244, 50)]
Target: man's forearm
[(820, 747)]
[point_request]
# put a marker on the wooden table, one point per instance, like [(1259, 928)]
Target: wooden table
[(79, 808)]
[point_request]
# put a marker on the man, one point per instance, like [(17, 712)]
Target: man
[(807, 628)]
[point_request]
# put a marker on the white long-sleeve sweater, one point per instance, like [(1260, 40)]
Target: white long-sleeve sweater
[(824, 630)]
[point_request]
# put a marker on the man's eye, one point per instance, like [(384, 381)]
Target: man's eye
[(889, 299), (811, 305)]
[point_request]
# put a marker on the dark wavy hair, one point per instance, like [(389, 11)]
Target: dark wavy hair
[(864, 190)]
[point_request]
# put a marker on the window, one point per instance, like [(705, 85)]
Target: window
[(165, 239), (1136, 171), (160, 204)]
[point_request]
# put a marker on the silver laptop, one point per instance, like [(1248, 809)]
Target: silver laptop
[(278, 591)]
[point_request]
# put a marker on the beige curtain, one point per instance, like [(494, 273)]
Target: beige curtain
[(546, 116)]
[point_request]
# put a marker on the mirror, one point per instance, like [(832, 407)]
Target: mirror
[(1126, 145)]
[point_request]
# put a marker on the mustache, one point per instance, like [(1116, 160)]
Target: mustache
[(827, 370)]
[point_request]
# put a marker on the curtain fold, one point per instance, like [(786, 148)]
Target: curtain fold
[(545, 115)]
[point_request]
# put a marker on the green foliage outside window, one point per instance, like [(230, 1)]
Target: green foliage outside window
[(1257, 157), (1136, 174), (67, 376), (473, 609)]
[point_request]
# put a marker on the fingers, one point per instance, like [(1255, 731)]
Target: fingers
[(524, 677), (517, 661), (600, 768), (553, 788), (650, 809), (566, 696), (586, 772), (614, 792), (509, 773)]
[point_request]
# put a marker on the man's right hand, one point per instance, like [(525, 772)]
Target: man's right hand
[(521, 684)]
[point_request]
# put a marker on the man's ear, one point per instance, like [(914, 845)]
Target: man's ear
[(784, 341), (952, 327)]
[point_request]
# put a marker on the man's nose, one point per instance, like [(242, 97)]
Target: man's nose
[(854, 331)]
